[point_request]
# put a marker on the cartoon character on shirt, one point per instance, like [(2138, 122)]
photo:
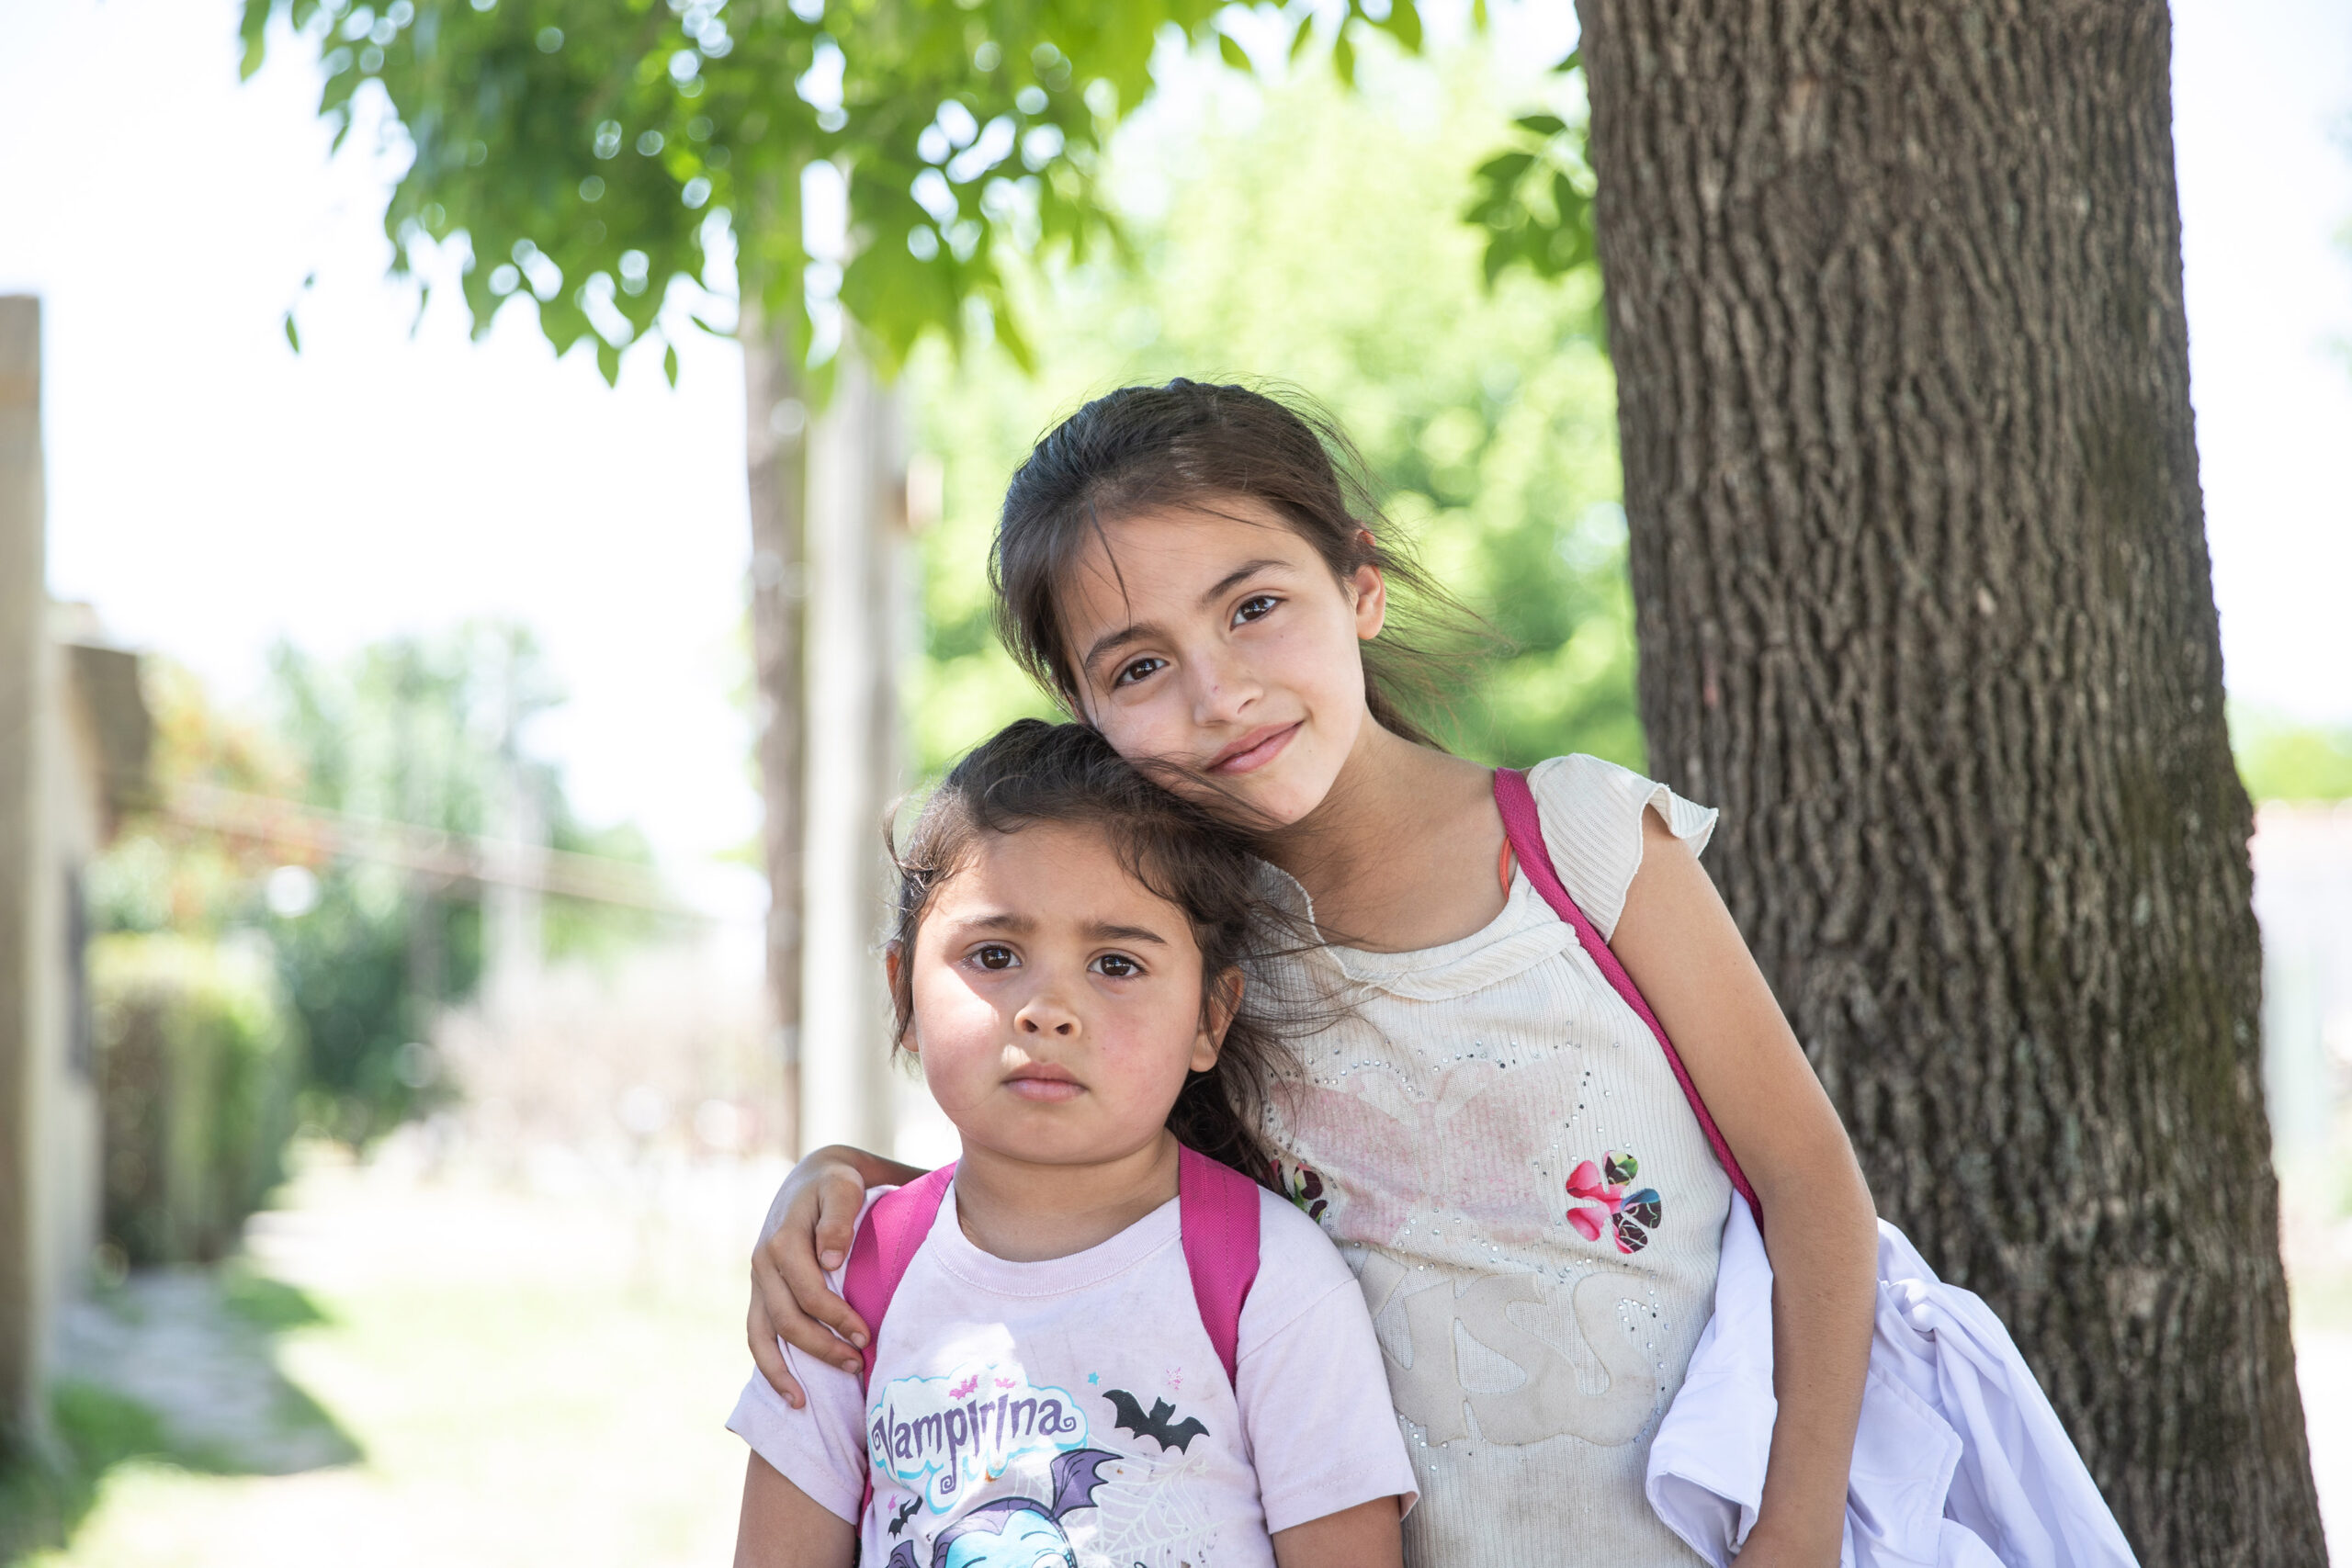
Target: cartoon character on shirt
[(1018, 1532)]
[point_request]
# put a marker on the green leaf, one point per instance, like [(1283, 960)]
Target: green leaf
[(1544, 125), (608, 362), (670, 363), (1343, 57), (1233, 52), (253, 28), (1405, 24), (1572, 61), (293, 337), (1300, 36), (1503, 172), (1568, 201)]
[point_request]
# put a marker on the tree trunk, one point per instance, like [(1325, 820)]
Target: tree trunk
[(775, 459), (1894, 294)]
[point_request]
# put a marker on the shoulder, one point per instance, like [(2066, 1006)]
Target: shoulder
[(1297, 1268), (1591, 811)]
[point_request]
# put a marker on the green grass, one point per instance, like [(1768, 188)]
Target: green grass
[(45, 1493), (522, 1380)]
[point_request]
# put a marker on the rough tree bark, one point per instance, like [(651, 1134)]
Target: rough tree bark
[(1894, 294), (776, 460)]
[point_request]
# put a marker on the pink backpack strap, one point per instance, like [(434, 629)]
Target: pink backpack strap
[(1216, 1208), (894, 1227), (1525, 829)]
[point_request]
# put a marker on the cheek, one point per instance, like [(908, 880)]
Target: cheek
[(1325, 656), (1157, 727), (953, 1023), (1152, 1050)]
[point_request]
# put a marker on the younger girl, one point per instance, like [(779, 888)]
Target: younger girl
[(1492, 1135), (1062, 1377)]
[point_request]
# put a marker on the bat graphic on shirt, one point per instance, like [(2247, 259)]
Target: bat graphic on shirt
[(1155, 1425), (899, 1520)]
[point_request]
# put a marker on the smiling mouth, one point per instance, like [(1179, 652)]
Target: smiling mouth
[(1255, 749)]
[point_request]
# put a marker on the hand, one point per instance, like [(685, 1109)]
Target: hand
[(808, 1234)]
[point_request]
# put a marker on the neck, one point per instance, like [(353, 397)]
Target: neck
[(1385, 792), (1025, 1212)]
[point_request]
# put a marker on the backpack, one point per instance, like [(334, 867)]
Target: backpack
[(1216, 1212)]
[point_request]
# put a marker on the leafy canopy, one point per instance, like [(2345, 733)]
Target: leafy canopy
[(1307, 232), (584, 148)]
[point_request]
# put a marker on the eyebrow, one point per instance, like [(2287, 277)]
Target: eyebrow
[(1138, 631), (1023, 925), (1099, 930)]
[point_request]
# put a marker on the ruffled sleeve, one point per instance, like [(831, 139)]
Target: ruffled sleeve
[(1593, 824)]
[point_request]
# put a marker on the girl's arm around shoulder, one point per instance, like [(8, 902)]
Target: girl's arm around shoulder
[(807, 1236), (807, 1471), (1682, 949), (1333, 1475)]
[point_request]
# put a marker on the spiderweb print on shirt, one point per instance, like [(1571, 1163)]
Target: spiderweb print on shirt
[(1158, 1520)]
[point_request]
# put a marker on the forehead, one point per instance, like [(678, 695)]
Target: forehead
[(1055, 873), (1151, 563)]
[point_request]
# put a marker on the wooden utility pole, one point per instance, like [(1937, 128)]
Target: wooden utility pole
[(1893, 291), (776, 462), (855, 620), (24, 867)]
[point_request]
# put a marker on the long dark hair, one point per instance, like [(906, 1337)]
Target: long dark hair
[(1067, 774), (1192, 446)]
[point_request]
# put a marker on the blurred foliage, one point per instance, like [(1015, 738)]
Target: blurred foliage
[(422, 731), (198, 1065), (1534, 199), (2283, 759), (1309, 233), (581, 148)]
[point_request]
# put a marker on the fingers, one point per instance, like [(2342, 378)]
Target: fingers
[(769, 1357), (789, 1311), (810, 1318), (839, 1199)]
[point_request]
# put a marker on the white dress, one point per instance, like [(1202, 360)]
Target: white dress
[(1498, 1146)]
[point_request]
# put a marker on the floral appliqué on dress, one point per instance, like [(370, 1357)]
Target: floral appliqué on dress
[(1303, 1188), (1599, 1195)]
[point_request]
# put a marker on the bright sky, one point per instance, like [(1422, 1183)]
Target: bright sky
[(210, 490)]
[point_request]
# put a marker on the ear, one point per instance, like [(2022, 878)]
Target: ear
[(1217, 1017), (893, 955), (1369, 591)]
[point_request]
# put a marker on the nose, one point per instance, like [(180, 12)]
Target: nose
[(1046, 1015), (1223, 688)]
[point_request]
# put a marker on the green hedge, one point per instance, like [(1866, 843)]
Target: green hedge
[(197, 1064)]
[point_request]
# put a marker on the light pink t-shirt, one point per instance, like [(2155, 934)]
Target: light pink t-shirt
[(1080, 1398)]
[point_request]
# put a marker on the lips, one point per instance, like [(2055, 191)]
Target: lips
[(1045, 1083), (1255, 749)]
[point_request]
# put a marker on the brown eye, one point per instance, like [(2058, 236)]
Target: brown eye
[(1117, 966), (1137, 670), (1255, 607), (995, 956)]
